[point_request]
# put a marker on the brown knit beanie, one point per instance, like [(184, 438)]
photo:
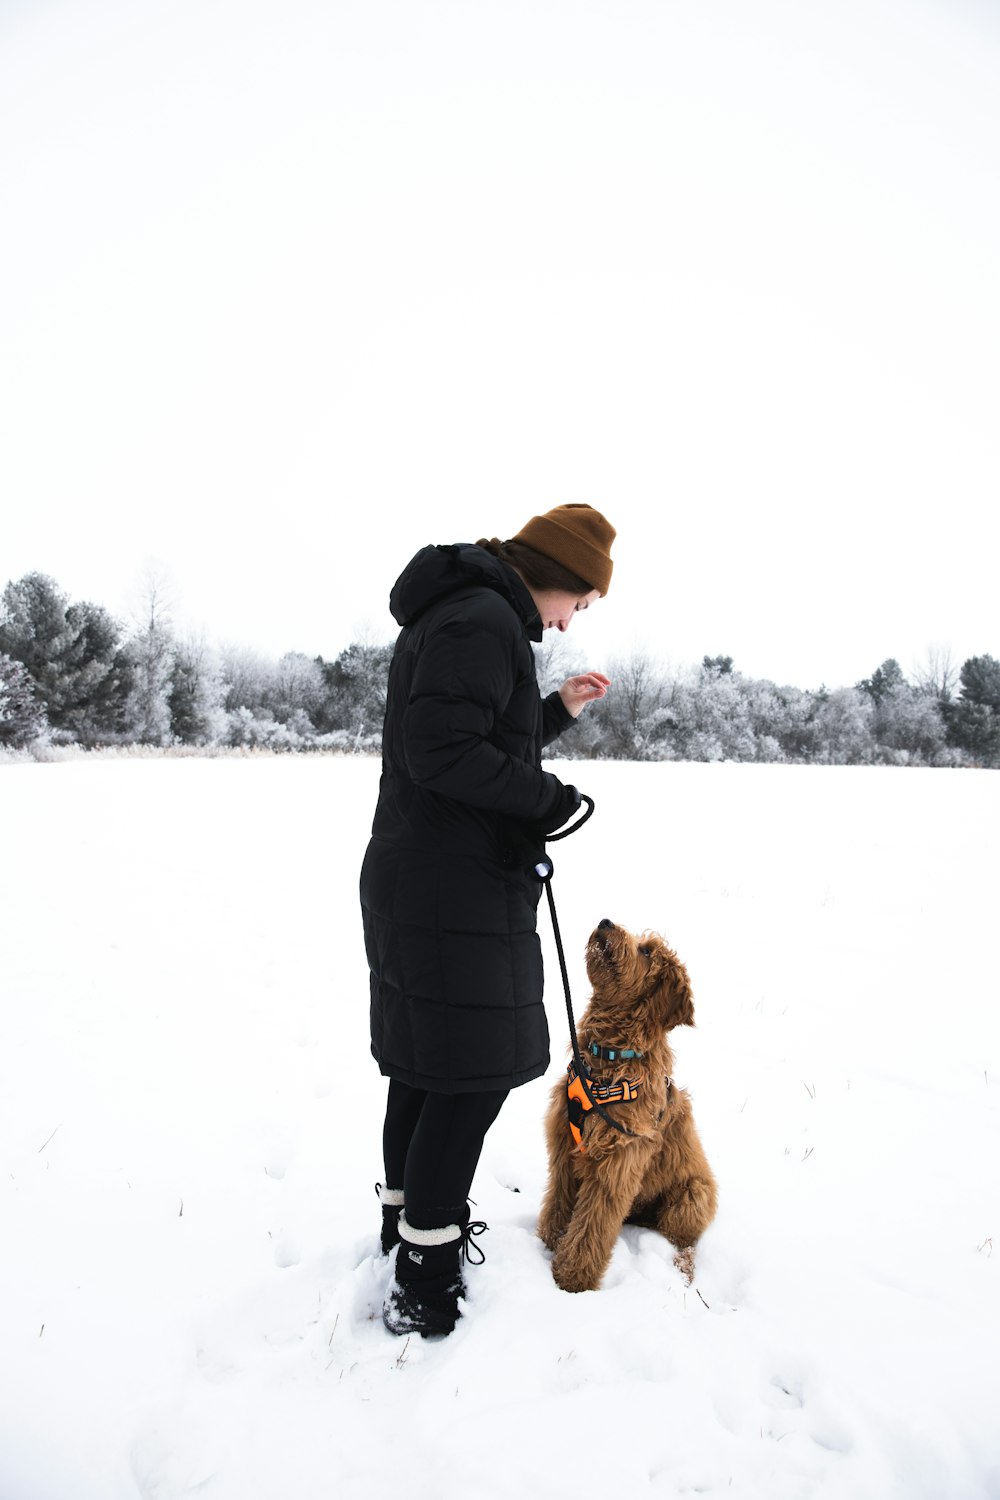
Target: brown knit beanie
[(578, 537)]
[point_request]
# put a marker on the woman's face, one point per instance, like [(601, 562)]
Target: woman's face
[(557, 608)]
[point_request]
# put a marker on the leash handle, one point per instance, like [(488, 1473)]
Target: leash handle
[(588, 812)]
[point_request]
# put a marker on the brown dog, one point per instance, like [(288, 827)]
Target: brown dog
[(656, 1176)]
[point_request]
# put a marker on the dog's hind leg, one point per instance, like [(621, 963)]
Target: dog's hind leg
[(603, 1199)]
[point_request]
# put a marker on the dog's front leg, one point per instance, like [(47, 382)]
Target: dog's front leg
[(560, 1193), (605, 1194), (687, 1211)]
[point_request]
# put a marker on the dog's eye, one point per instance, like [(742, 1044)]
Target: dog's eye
[(645, 950)]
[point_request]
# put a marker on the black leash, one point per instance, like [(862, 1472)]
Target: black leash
[(544, 871)]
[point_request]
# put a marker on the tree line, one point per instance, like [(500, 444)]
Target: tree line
[(712, 712), (72, 674)]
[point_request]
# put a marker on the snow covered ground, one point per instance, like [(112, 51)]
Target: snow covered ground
[(190, 1124)]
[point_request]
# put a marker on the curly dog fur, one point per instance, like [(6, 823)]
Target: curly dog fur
[(659, 1177)]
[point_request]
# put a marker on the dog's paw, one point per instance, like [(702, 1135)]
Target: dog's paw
[(684, 1261), (573, 1278)]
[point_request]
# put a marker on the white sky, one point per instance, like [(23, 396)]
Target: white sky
[(288, 290)]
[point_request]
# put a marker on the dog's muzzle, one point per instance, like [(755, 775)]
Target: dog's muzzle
[(600, 941)]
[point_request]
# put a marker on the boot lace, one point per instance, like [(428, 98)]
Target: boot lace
[(470, 1251)]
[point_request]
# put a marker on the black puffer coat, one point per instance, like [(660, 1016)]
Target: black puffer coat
[(447, 896)]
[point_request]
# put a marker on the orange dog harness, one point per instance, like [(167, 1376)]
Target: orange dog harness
[(581, 1097)]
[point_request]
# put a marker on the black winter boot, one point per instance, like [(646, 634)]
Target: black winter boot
[(423, 1294), (391, 1200)]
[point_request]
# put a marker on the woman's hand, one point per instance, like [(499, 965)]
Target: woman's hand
[(577, 692)]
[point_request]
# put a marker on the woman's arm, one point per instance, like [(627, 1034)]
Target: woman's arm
[(560, 709), (462, 682)]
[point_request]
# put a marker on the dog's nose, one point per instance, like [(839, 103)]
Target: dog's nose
[(603, 923)]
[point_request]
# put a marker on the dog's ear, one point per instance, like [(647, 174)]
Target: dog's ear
[(677, 993)]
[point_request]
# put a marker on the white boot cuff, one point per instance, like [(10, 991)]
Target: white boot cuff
[(427, 1236)]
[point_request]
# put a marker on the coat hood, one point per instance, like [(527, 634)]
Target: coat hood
[(436, 572)]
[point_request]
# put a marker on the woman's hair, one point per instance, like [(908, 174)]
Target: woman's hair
[(538, 571)]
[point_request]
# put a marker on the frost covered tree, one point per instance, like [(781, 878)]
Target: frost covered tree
[(936, 675), (842, 728), (151, 660), (888, 678), (34, 630), (297, 689), (708, 716), (980, 679), (73, 654), (195, 695), (792, 725), (974, 719), (247, 678), (629, 718), (356, 685), (906, 724), (767, 719), (147, 711), (908, 727), (22, 719), (103, 677)]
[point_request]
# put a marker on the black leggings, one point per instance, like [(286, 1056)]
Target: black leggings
[(432, 1144)]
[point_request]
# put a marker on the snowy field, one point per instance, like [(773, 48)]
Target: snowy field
[(190, 1126)]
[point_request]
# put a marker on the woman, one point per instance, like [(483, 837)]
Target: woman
[(447, 890)]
